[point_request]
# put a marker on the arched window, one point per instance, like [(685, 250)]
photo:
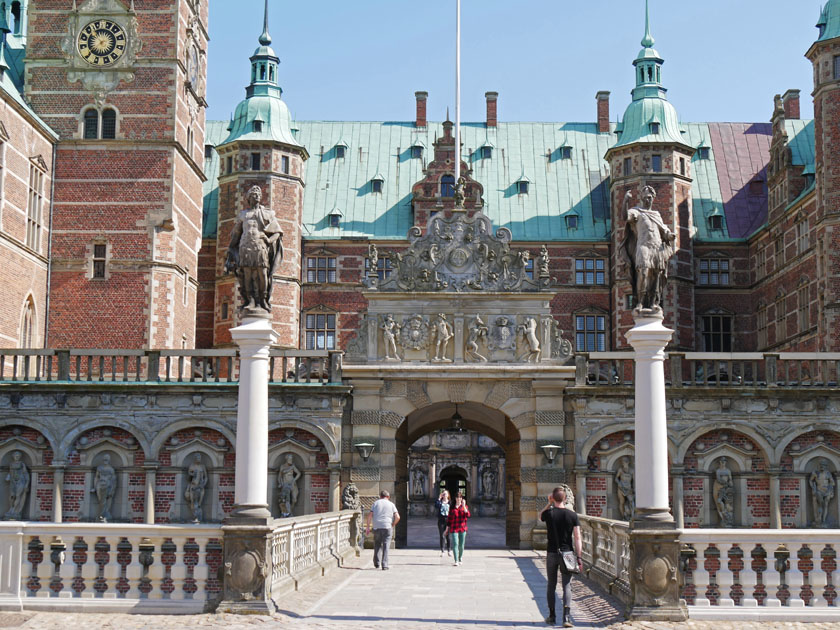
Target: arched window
[(447, 186), (109, 124), (91, 124), (28, 325), (102, 126), (16, 18)]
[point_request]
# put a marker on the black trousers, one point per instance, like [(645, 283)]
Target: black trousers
[(444, 540), (553, 563)]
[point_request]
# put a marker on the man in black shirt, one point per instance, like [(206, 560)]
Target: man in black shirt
[(563, 535)]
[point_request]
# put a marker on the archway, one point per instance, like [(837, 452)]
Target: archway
[(490, 476)]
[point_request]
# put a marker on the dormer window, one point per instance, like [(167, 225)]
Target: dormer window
[(376, 185), (258, 126), (716, 222), (208, 151), (565, 153), (756, 188), (572, 222), (417, 151), (485, 152), (522, 187), (703, 153), (334, 218), (339, 152), (654, 128)]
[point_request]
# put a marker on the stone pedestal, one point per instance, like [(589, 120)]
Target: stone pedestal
[(654, 541), (247, 531)]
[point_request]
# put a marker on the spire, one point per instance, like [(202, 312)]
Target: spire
[(647, 40), (648, 62), (265, 38)]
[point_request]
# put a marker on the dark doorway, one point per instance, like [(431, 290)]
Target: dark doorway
[(454, 479)]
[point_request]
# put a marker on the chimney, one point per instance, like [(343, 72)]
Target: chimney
[(603, 99), (492, 108), (421, 108), (791, 104)]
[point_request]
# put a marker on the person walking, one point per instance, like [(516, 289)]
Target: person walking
[(442, 511), (384, 517), (563, 528), (456, 527)]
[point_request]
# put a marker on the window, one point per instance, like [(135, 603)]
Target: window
[(804, 318), (225, 310), (34, 212), (628, 166), (335, 220), (529, 268), (340, 151), (803, 240), (682, 166), (258, 126), (189, 145), (717, 333), (572, 222), (107, 130), (565, 153), (208, 151), (486, 152), (284, 164), (99, 260), (630, 301), (376, 185), (28, 325), (714, 271), (756, 188), (522, 187), (185, 297), (417, 152), (255, 161), (716, 222), (781, 313), (109, 127), (16, 17), (590, 271), (320, 269), (703, 153), (761, 262), (654, 128), (590, 333), (762, 327), (780, 252), (447, 186), (320, 331), (836, 67), (656, 163), (383, 267), (91, 124)]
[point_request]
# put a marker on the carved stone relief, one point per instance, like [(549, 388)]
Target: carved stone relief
[(414, 333), (502, 334), (350, 497)]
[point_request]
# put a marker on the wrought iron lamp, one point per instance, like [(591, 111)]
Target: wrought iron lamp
[(365, 449), (550, 451), (456, 420)]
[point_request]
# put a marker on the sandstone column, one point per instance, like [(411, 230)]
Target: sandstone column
[(58, 485), (151, 476), (775, 499)]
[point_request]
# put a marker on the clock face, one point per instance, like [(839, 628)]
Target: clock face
[(102, 43)]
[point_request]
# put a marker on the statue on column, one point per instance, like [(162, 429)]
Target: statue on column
[(723, 492), (104, 487), (18, 478), (194, 494), (255, 252), (626, 491), (822, 491), (646, 250), (287, 479)]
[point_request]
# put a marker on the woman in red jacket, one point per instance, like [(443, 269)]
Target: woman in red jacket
[(456, 527)]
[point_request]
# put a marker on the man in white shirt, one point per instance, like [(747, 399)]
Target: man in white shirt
[(384, 517)]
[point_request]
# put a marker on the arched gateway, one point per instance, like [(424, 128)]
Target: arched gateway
[(462, 324)]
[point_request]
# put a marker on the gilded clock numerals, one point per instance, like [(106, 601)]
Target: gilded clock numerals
[(102, 43)]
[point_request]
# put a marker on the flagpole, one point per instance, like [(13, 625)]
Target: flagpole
[(457, 90)]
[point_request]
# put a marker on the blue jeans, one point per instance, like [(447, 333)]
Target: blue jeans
[(458, 539), (381, 543)]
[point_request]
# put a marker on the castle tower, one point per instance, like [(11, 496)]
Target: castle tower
[(824, 54), (261, 150), (651, 152), (122, 83)]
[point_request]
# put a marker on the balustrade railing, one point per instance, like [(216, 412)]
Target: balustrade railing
[(109, 567), (715, 369), (606, 553), (163, 366)]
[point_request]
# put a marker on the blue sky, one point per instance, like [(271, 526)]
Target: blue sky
[(363, 60)]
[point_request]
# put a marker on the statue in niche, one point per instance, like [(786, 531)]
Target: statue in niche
[(254, 253), (442, 331), (542, 262), (723, 492), (373, 260), (104, 487), (488, 481), (287, 479), (626, 491), (390, 332), (822, 491), (478, 330), (350, 497), (418, 482), (529, 331), (646, 250), (194, 494), (18, 478)]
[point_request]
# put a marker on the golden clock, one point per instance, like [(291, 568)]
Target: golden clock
[(102, 43)]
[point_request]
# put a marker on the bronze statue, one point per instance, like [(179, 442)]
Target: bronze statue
[(646, 250), (255, 252)]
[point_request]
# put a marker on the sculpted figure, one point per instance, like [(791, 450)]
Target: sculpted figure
[(418, 482), (529, 331), (478, 330), (822, 491), (542, 262), (373, 260), (626, 491), (18, 478), (255, 252), (646, 249), (350, 497), (390, 331), (723, 492), (287, 482), (104, 487), (488, 482), (443, 333), (194, 494)]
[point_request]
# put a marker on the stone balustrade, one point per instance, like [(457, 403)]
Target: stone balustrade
[(716, 369), (606, 553)]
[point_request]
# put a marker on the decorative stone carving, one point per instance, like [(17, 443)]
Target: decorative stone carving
[(287, 478), (350, 497), (104, 487), (822, 486), (478, 330), (561, 348), (626, 491), (18, 478), (442, 332), (570, 496), (196, 487), (358, 346), (451, 440), (489, 481), (245, 572), (417, 395), (390, 332), (656, 572), (723, 492), (372, 416), (373, 261), (529, 331), (550, 418), (502, 336), (457, 391), (414, 333), (418, 482), (542, 262)]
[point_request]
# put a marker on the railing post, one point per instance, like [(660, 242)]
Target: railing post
[(771, 369), (63, 364), (336, 360), (581, 367), (153, 366), (676, 368)]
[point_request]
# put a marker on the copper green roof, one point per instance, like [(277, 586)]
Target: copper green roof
[(829, 22)]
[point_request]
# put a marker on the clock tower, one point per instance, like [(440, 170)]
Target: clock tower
[(122, 82)]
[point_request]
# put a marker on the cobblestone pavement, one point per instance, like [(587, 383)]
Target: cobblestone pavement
[(422, 591)]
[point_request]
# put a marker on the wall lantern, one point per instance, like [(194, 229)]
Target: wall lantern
[(365, 449), (550, 451)]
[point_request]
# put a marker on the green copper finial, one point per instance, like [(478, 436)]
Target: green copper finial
[(265, 38), (647, 40)]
